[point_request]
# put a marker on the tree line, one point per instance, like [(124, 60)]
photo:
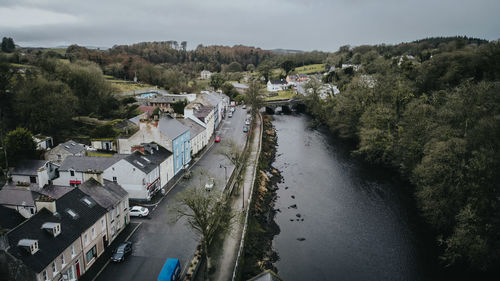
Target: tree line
[(436, 120)]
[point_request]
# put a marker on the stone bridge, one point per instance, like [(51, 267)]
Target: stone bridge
[(286, 105)]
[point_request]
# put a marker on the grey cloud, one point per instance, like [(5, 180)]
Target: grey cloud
[(294, 24)]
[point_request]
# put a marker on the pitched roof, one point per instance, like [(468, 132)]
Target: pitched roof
[(107, 195), (72, 227), (25, 195), (10, 218), (171, 127), (28, 167), (203, 112), (72, 147), (278, 82), (267, 275), (194, 128), (147, 109), (82, 164), (17, 197), (148, 162)]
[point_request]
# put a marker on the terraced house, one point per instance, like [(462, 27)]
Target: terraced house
[(60, 242)]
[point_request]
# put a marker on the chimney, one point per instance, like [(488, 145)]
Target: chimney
[(95, 174), (46, 202)]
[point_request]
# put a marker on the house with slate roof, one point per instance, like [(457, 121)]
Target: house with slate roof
[(75, 170), (63, 150), (114, 199), (60, 242), (197, 132), (276, 85), (39, 172), (144, 172), (166, 132)]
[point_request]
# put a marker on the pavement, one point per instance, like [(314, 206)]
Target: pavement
[(226, 260), (159, 237)]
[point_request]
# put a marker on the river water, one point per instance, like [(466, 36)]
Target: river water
[(358, 221)]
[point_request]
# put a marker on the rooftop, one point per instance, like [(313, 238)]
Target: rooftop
[(28, 167), (194, 128), (148, 162), (72, 147), (107, 195), (10, 218), (50, 247), (171, 128), (82, 164)]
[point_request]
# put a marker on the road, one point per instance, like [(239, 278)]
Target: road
[(158, 238)]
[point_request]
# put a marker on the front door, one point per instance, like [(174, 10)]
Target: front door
[(78, 269)]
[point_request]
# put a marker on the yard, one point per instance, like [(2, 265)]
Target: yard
[(282, 95), (308, 69)]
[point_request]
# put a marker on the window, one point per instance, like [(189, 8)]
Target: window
[(115, 179), (112, 230), (91, 254), (102, 224), (72, 173), (112, 216), (133, 169), (86, 239), (93, 232), (118, 225), (125, 204), (54, 268), (63, 262), (59, 157), (117, 210), (32, 179), (113, 168), (44, 275), (72, 251)]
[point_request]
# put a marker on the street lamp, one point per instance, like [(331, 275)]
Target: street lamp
[(225, 171)]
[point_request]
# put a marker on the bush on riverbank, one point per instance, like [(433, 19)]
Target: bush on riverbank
[(258, 254)]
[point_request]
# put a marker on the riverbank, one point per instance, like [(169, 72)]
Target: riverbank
[(258, 254)]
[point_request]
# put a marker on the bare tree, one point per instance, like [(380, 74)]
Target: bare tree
[(207, 213), (232, 152), (254, 97)]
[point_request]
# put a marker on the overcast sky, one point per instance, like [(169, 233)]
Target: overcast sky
[(290, 24)]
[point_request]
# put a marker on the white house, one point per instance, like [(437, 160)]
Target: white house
[(198, 137), (76, 170), (205, 75), (144, 172), (276, 85)]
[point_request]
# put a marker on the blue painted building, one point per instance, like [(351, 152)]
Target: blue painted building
[(181, 141)]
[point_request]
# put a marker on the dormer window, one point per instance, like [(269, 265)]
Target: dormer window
[(53, 228), (72, 173), (29, 244)]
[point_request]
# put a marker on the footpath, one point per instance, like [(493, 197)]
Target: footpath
[(225, 261)]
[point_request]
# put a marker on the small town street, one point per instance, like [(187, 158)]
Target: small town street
[(159, 238)]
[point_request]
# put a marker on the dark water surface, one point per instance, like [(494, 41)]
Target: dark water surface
[(359, 222)]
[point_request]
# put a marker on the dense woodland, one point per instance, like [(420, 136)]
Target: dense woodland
[(429, 109), (433, 115)]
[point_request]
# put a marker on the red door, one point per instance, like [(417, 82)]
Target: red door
[(78, 270)]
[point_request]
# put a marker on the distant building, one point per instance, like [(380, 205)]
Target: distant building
[(276, 85), (43, 142), (205, 75), (62, 150)]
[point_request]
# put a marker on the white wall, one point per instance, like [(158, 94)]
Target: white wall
[(65, 177), (129, 177), (166, 170)]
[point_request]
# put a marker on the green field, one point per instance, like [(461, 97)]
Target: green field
[(282, 95), (99, 154), (312, 68)]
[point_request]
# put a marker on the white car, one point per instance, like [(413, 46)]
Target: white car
[(139, 211), (210, 184), (247, 122)]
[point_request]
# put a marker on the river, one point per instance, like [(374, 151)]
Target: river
[(358, 222)]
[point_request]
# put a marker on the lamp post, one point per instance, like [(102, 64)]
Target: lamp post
[(225, 171)]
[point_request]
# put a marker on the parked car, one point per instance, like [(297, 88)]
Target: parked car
[(245, 129), (247, 122), (232, 109), (210, 184), (217, 139), (244, 106), (139, 211), (122, 251), (230, 114)]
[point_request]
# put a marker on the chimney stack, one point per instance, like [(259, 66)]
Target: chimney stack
[(47, 202)]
